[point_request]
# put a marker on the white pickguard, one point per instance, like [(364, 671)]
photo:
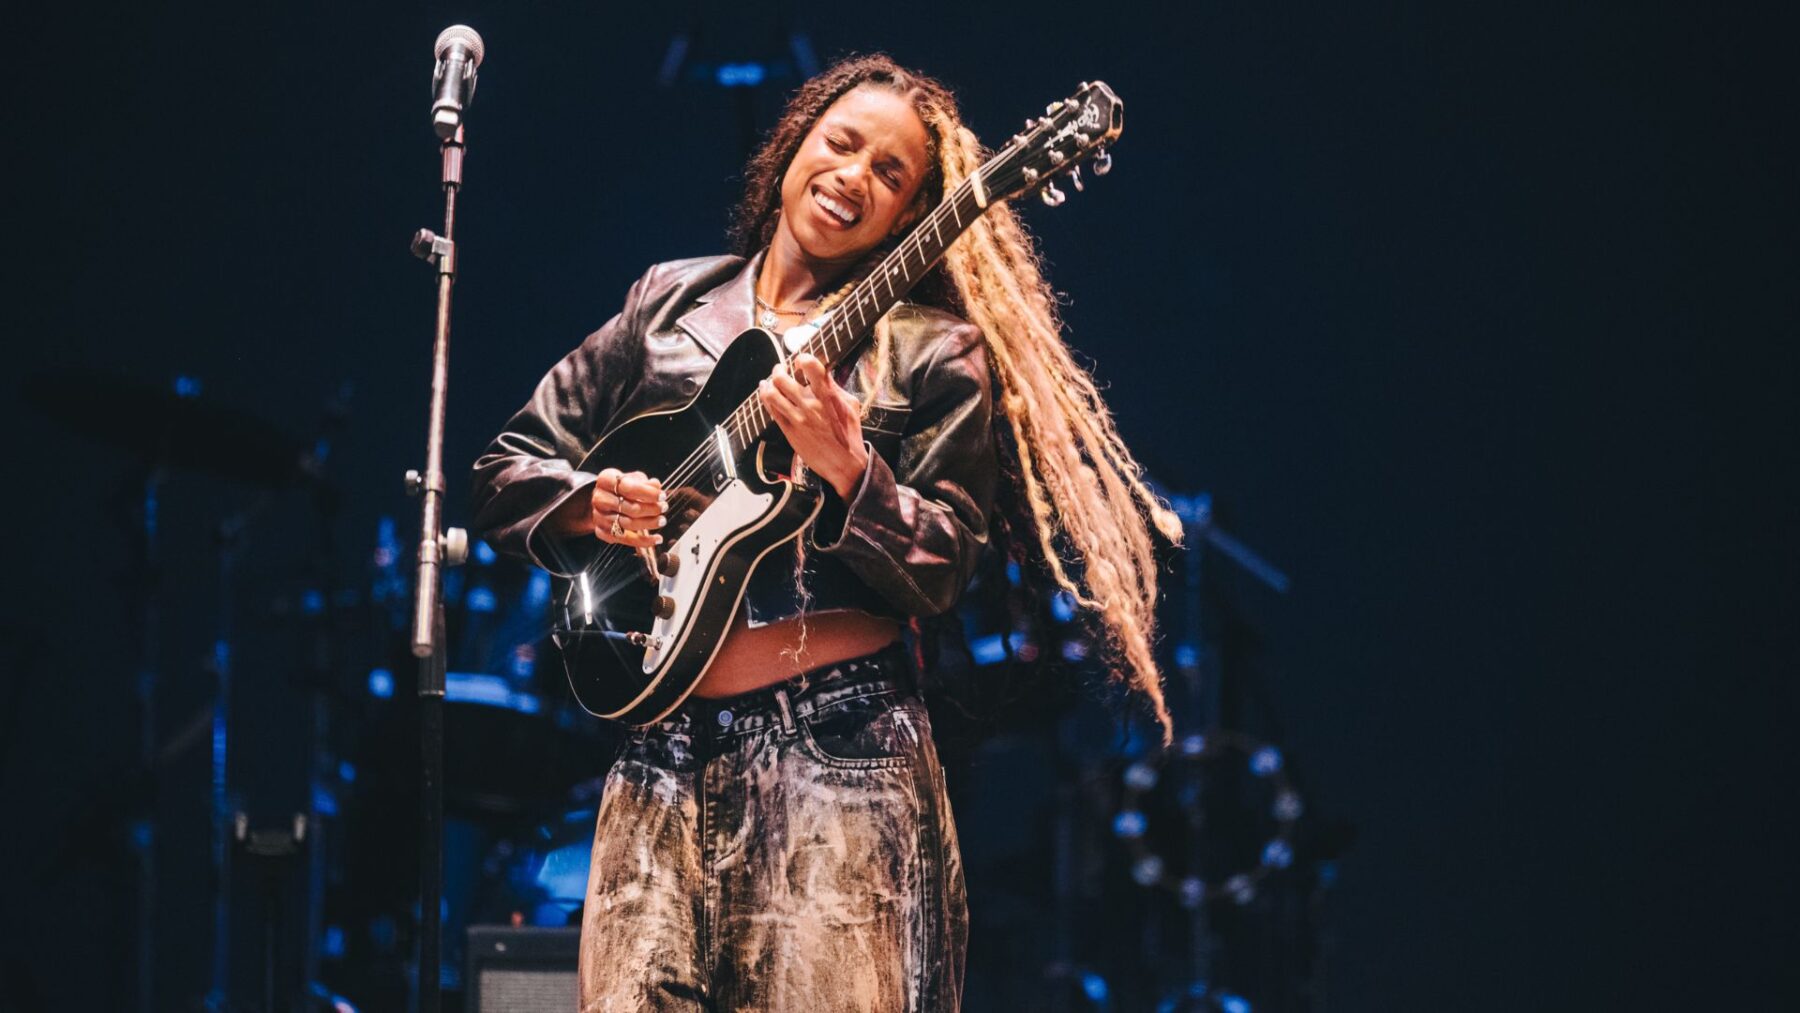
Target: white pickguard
[(728, 518)]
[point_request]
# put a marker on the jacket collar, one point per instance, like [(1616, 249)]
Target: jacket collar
[(725, 311)]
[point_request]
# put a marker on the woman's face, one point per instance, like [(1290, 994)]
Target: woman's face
[(853, 181)]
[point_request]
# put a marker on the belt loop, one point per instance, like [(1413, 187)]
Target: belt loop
[(787, 710)]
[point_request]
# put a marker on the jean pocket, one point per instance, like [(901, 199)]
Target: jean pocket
[(864, 733)]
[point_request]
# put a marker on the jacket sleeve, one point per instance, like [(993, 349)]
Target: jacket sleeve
[(915, 531), (529, 470)]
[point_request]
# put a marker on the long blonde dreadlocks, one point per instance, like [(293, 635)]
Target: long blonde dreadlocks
[(1083, 489)]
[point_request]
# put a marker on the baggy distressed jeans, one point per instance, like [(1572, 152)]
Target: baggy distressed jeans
[(790, 849)]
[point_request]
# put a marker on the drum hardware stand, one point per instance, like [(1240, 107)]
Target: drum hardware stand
[(142, 829), (274, 852), (325, 662), (438, 547), (229, 536), (1198, 660)]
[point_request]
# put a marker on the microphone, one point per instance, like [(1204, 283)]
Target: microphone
[(459, 52)]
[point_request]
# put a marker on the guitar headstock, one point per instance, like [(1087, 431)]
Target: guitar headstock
[(1070, 132)]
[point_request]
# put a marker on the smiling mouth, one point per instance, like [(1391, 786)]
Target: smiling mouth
[(835, 208)]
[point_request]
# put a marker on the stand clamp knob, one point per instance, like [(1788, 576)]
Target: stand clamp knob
[(455, 546)]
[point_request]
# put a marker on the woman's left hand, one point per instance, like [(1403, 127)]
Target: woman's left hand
[(820, 419)]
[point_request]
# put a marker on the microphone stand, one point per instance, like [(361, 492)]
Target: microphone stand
[(438, 547)]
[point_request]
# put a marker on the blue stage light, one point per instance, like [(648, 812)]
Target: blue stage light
[(1140, 777), (537, 589), (1147, 870), (187, 386), (1278, 854), (989, 650), (324, 801), (1240, 888), (381, 683), (1129, 824), (334, 941), (484, 553), (1265, 761), (1193, 892), (740, 75), (1062, 606), (1094, 987), (564, 874), (488, 690), (1193, 745), (312, 602), (1187, 656), (1288, 807), (346, 772), (387, 544), (481, 599), (1012, 572), (1229, 1003)]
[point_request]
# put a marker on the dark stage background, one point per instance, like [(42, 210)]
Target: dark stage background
[(1470, 318)]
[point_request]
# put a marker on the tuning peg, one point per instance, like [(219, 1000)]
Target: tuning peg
[(1102, 162), (1052, 196), (1075, 178)]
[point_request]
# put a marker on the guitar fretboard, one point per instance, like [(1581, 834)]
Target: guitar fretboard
[(850, 321)]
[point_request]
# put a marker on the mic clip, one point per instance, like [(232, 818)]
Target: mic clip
[(435, 249)]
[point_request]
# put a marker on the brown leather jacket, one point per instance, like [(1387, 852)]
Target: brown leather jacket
[(905, 546)]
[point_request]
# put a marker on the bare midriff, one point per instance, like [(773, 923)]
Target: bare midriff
[(754, 657)]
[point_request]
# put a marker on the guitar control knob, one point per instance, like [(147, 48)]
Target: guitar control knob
[(665, 607), (667, 563)]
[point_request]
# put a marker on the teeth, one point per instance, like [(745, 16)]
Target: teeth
[(843, 213)]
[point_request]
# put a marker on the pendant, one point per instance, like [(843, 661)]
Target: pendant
[(768, 320)]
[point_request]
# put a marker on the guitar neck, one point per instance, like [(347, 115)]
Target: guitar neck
[(852, 320)]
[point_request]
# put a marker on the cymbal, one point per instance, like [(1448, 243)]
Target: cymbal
[(164, 425)]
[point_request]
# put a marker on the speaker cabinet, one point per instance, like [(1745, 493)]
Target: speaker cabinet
[(523, 970)]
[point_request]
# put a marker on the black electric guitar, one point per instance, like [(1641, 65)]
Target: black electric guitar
[(638, 629)]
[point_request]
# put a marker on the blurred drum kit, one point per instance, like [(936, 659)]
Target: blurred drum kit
[(523, 768)]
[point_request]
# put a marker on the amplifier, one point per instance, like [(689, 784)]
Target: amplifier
[(522, 970)]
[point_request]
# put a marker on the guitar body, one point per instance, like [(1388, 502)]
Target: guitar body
[(726, 512)]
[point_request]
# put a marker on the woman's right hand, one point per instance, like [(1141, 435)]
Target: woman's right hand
[(627, 508)]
